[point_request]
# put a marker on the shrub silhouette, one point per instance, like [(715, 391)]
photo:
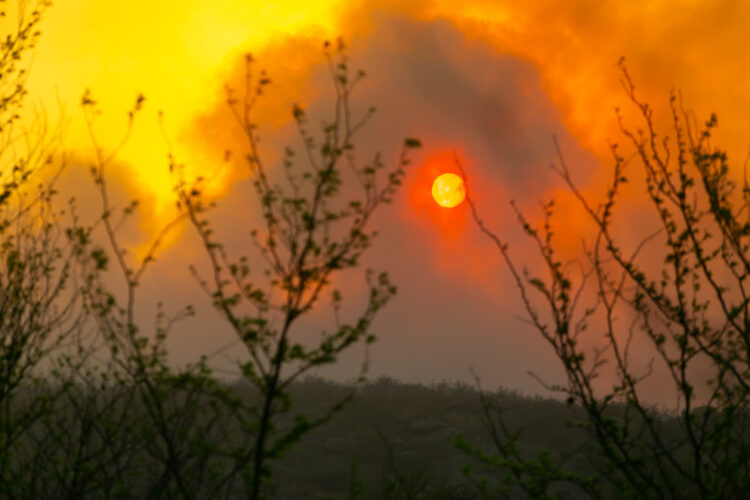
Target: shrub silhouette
[(40, 311), (90, 405), (313, 229), (692, 311)]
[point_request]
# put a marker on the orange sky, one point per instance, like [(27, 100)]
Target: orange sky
[(554, 73), (179, 54)]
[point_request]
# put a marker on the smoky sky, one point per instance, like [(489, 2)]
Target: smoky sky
[(456, 308), (490, 82)]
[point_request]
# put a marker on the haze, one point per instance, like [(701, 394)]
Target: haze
[(491, 83)]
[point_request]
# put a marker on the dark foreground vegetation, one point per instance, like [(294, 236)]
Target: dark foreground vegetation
[(453, 441), (399, 440), (394, 440)]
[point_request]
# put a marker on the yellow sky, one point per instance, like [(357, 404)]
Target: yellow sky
[(176, 52)]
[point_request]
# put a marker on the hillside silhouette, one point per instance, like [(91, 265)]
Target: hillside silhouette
[(396, 439)]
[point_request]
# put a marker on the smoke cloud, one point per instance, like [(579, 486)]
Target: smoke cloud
[(488, 82)]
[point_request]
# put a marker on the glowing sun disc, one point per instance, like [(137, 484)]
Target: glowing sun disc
[(448, 190)]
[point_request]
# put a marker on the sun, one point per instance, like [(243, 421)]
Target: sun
[(448, 190)]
